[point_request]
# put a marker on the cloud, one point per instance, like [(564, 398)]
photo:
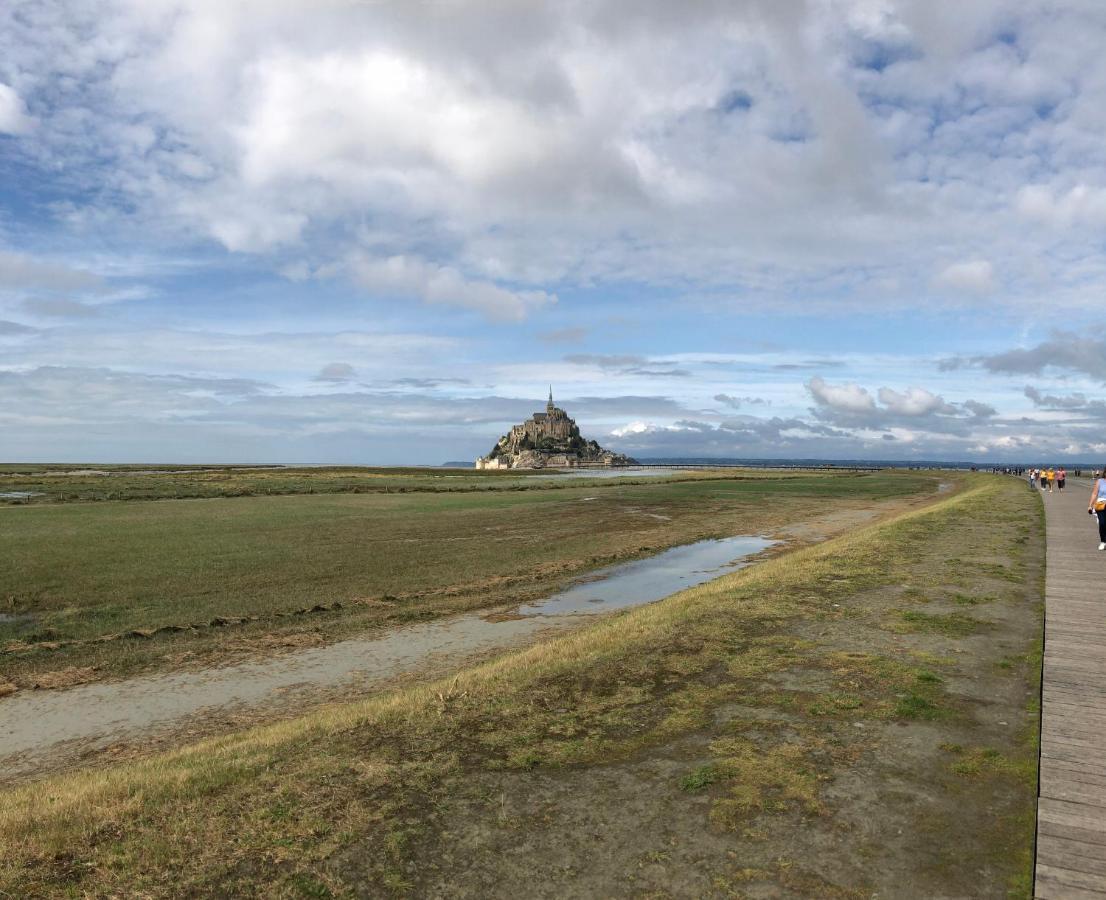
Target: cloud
[(10, 328), (1064, 351), (913, 401), (1082, 204), (975, 276), (755, 150), (628, 364), (336, 372), (13, 113), (404, 276), (979, 410), (738, 402), (1076, 402), (848, 397)]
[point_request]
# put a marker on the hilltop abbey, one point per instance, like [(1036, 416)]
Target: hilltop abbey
[(548, 439)]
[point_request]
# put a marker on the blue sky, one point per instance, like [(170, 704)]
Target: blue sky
[(360, 233)]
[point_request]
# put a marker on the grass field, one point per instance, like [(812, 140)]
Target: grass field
[(66, 484), (810, 726), (75, 573)]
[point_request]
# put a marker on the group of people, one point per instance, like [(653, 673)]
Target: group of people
[(1048, 479), (1052, 479)]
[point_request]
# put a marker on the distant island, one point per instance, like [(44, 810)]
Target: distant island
[(548, 439)]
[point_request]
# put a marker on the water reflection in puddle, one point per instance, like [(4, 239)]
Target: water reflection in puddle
[(648, 580)]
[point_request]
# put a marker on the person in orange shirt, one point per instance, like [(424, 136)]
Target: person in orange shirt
[(1061, 477), (1051, 479)]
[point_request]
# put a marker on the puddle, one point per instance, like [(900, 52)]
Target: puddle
[(647, 580), (43, 727), (19, 495)]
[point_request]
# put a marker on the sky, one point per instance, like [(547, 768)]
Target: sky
[(356, 232)]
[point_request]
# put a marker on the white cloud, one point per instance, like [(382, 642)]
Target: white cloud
[(406, 276), (975, 276), (13, 112), (634, 428), (913, 401), (847, 397), (1081, 204), (753, 146)]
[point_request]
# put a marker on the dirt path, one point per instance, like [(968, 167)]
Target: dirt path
[(42, 730)]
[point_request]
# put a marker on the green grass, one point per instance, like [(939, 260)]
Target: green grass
[(64, 484), (79, 571), (373, 781), (951, 624)]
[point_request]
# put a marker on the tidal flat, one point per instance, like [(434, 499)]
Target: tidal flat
[(775, 732)]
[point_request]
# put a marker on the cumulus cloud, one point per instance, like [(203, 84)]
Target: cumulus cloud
[(913, 401), (914, 414), (848, 397), (583, 144)]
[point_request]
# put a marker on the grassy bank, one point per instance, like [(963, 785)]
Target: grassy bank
[(789, 729), (75, 573)]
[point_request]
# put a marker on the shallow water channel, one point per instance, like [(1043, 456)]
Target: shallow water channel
[(39, 726)]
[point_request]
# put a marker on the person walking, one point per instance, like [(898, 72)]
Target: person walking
[(1097, 506), (1051, 478), (1061, 477)]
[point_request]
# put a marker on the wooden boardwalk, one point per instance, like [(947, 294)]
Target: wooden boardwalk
[(1071, 811)]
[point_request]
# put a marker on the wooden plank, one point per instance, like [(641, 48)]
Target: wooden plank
[(1048, 887), (1062, 857), (1071, 808), (1087, 881)]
